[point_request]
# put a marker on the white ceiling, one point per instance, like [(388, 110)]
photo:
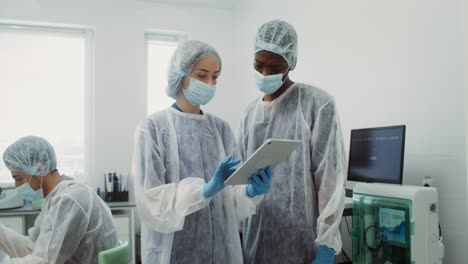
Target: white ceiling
[(221, 4)]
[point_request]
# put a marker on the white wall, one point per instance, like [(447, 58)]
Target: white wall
[(119, 60), (386, 63), (464, 15)]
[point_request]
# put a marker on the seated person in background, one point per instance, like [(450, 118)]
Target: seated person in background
[(74, 224)]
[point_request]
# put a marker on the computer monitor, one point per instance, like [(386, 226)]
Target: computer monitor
[(377, 155)]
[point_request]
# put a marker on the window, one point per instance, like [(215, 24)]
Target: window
[(159, 50), (45, 90)]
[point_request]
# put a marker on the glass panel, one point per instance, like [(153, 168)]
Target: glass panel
[(381, 230)]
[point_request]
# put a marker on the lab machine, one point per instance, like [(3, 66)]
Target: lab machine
[(395, 224), (9, 197)]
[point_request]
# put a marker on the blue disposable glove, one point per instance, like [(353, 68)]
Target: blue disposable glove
[(259, 184), (325, 255), (224, 170)]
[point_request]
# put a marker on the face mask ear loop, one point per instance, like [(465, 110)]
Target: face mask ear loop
[(42, 180), (285, 75)]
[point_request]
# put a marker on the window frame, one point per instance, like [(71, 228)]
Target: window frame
[(163, 36), (88, 33)]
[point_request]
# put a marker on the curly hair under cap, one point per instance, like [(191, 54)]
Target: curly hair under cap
[(279, 37)]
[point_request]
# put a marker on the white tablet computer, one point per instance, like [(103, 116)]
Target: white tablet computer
[(271, 153)]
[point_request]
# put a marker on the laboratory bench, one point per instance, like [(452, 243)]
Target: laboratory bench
[(21, 219)]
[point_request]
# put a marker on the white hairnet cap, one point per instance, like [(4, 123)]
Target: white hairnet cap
[(279, 37), (32, 155), (184, 58)]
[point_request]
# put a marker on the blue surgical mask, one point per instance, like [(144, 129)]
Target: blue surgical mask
[(199, 93), (269, 84), (28, 193)]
